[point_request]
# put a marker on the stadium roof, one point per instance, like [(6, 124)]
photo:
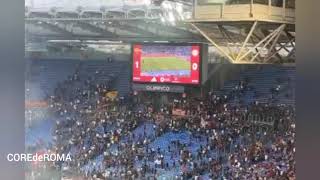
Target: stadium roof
[(125, 20)]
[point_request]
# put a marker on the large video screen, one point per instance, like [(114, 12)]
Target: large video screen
[(166, 63)]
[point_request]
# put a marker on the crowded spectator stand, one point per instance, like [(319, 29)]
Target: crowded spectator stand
[(188, 137)]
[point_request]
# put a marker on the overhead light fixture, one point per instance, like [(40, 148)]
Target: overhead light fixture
[(162, 19), (147, 2), (171, 17), (179, 8)]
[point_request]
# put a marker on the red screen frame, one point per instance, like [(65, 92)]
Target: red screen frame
[(195, 66)]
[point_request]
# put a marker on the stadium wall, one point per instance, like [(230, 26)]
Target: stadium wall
[(204, 63)]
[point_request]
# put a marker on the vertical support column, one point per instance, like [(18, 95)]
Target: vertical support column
[(146, 13), (222, 10), (269, 8), (283, 9), (194, 2), (251, 8)]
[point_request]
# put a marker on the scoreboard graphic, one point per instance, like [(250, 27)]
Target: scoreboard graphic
[(166, 63)]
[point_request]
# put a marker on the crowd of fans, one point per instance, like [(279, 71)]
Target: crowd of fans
[(117, 138)]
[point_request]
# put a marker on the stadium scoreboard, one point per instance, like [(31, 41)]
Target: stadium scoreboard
[(166, 63)]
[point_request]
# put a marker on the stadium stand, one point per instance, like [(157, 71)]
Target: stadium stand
[(225, 135), (263, 84), (231, 123)]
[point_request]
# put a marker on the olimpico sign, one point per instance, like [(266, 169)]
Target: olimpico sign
[(158, 88)]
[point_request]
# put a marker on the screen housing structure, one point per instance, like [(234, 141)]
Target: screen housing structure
[(200, 52)]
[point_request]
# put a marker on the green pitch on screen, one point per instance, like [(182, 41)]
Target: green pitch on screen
[(164, 63)]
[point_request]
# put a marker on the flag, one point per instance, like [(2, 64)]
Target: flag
[(111, 94)]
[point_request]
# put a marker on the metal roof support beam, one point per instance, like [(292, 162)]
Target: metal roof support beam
[(270, 36), (247, 39), (174, 29), (292, 52), (291, 41), (255, 41), (274, 36), (213, 43), (135, 29), (97, 29), (257, 37), (264, 46), (54, 28), (229, 39), (274, 43), (284, 46), (124, 39)]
